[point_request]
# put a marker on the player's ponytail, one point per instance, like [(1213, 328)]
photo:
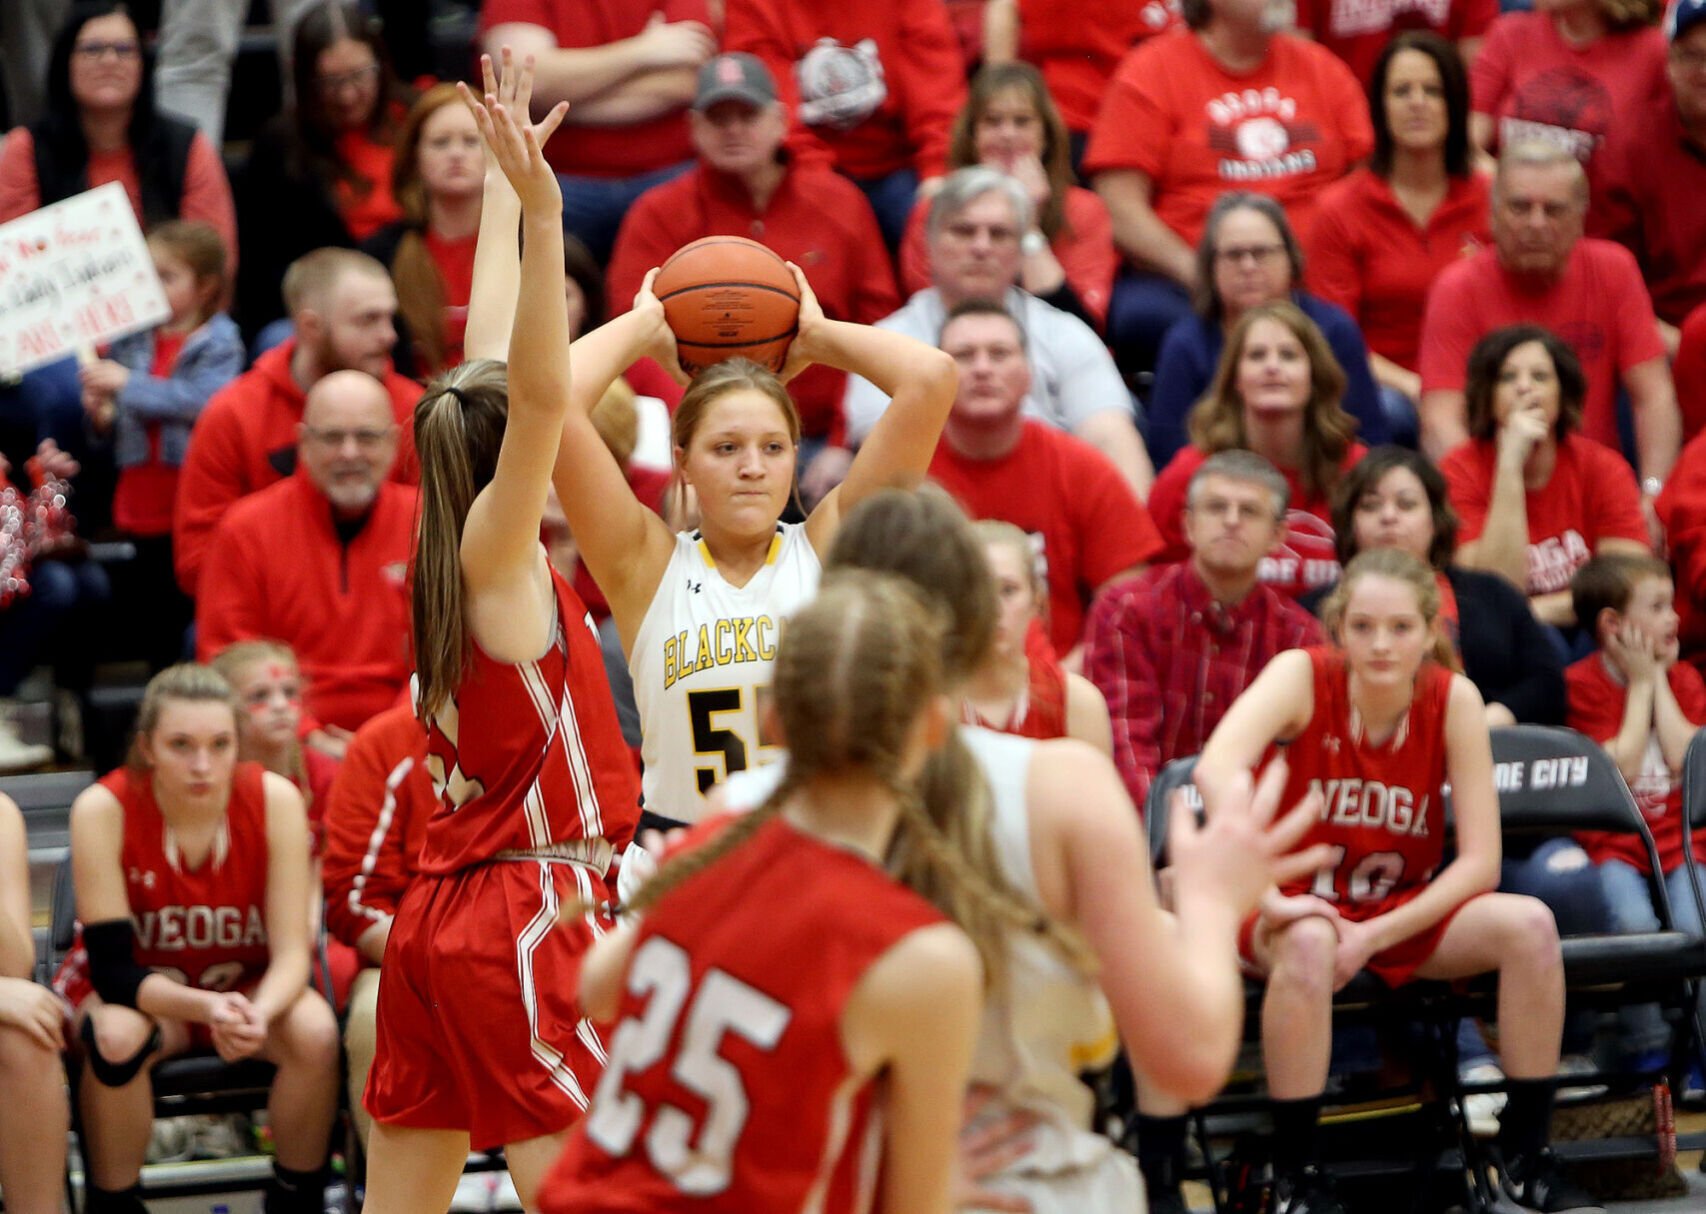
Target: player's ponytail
[(459, 428), (945, 850), (1400, 566)]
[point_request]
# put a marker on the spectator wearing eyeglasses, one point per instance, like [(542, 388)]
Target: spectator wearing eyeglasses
[(318, 561), (101, 126), (1248, 257), (320, 174)]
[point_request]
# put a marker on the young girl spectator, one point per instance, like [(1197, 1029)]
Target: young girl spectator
[(321, 173), (1276, 392), (859, 698), (438, 178), (192, 883), (101, 126), (1535, 498), (1635, 698), (481, 1041), (1565, 73), (1010, 123), (268, 684), (1249, 257), (147, 394), (1019, 687), (34, 1118), (1383, 233), (1381, 724)]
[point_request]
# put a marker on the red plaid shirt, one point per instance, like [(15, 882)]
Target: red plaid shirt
[(1170, 660)]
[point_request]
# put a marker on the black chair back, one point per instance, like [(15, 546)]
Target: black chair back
[(1156, 806)]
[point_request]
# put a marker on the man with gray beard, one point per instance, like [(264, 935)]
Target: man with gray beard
[(319, 561)]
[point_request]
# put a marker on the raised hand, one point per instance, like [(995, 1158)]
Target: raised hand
[(1241, 852), (802, 351), (661, 347), (513, 143)]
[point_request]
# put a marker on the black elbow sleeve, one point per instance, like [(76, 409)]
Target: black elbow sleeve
[(113, 969)]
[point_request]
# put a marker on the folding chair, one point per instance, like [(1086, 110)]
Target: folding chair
[(191, 1084), (1552, 781), (1364, 1000)]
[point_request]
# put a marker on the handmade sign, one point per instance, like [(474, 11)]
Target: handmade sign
[(73, 276)]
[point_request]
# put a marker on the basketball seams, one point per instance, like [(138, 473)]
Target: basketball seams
[(791, 296)]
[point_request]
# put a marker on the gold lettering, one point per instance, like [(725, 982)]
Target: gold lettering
[(766, 648), (744, 652), (725, 642), (671, 648), (703, 661)]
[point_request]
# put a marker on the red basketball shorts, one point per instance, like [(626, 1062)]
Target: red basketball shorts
[(478, 1026)]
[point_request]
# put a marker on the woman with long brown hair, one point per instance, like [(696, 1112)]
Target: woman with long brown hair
[(437, 179), (1277, 392), (480, 1039)]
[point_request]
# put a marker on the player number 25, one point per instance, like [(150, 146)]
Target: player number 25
[(698, 1165)]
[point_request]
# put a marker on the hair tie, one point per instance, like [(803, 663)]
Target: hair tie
[(461, 397)]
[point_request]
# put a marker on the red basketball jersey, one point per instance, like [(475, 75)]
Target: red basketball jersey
[(1382, 809), (726, 1087), (203, 926), (527, 755)]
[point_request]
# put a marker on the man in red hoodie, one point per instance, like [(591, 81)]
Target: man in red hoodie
[(343, 304), (320, 561)]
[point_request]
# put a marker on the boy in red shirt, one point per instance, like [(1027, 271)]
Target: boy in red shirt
[(1643, 705)]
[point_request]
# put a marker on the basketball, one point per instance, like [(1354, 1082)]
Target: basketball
[(728, 297)]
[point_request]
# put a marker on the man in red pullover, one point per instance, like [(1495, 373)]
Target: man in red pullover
[(873, 88), (320, 561), (342, 303), (745, 184)]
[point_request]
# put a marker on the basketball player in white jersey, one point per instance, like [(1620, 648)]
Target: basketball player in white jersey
[(1064, 833)]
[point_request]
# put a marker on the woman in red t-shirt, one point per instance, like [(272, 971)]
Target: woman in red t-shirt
[(1535, 498), (1010, 123), (1566, 73), (1019, 687), (438, 179), (1276, 392), (1383, 233)]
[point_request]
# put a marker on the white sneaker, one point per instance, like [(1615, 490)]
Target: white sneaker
[(17, 755), (1481, 1109)]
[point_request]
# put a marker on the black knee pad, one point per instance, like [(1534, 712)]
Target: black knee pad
[(115, 1074), (107, 1201)]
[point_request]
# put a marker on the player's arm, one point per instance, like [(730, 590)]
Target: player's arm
[(103, 908), (914, 1016), (1172, 981), (920, 382), (1000, 31), (623, 543), (1277, 706), (1475, 813), (288, 913)]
